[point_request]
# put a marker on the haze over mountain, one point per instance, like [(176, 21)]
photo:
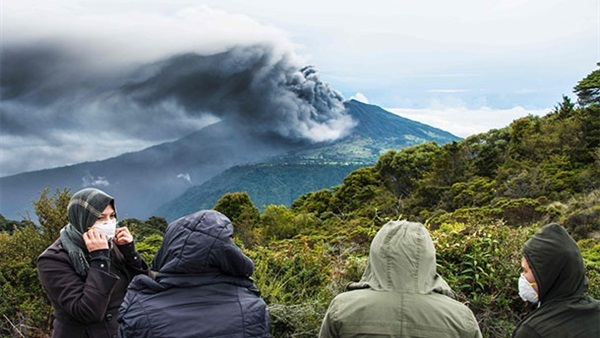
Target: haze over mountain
[(259, 101), (145, 180), (241, 104), (282, 179)]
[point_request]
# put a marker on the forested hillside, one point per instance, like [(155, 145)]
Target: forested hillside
[(282, 179), (269, 183), (481, 198)]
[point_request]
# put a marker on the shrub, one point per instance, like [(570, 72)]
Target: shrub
[(590, 251), (244, 216), (278, 223), (481, 263), (298, 278), (149, 246), (22, 303)]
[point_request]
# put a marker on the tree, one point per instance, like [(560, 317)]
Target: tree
[(400, 171), (489, 151), (358, 187), (588, 89), (22, 300), (278, 222), (143, 229), (52, 212), (9, 225), (234, 205), (316, 202), (565, 108), (244, 215)]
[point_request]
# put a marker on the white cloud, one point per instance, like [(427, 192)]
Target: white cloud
[(360, 97), (135, 35), (90, 180), (447, 91), (63, 148), (464, 122), (186, 177)]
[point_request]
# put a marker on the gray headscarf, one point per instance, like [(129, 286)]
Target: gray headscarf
[(84, 209)]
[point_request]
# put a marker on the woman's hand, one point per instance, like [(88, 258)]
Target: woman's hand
[(122, 236), (95, 241)]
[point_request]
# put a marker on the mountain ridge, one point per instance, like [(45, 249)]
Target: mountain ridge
[(311, 169), (145, 180)]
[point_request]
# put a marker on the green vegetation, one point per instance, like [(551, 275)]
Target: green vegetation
[(481, 198), (588, 89), (282, 182)]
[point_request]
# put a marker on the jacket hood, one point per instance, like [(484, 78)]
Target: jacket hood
[(200, 244), (402, 258), (556, 262)]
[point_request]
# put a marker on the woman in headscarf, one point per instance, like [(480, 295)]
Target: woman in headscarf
[(85, 272)]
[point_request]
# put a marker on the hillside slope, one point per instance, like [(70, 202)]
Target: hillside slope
[(145, 180), (266, 184), (282, 179)]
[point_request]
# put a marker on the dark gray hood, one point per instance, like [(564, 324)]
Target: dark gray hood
[(201, 243), (556, 263)]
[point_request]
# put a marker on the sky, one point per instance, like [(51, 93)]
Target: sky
[(88, 80)]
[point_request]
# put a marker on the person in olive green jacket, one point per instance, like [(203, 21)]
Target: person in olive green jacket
[(554, 278), (400, 294)]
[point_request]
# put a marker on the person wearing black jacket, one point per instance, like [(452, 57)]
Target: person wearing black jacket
[(86, 271), (554, 278), (202, 286)]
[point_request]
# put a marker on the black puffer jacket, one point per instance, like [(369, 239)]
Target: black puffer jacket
[(202, 288), (565, 311)]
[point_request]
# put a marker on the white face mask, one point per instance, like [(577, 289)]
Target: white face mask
[(107, 228), (526, 291)]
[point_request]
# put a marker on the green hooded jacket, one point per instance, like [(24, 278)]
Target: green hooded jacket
[(400, 294), (565, 311)]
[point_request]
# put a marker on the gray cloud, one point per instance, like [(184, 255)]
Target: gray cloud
[(39, 74), (250, 87), (79, 85), (57, 97)]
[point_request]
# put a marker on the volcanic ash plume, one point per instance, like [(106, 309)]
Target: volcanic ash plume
[(69, 103), (251, 87), (79, 85)]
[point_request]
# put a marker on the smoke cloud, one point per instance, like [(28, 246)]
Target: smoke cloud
[(247, 86), (72, 92)]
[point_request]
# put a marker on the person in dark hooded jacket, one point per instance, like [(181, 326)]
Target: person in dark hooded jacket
[(86, 271), (202, 286), (554, 278)]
